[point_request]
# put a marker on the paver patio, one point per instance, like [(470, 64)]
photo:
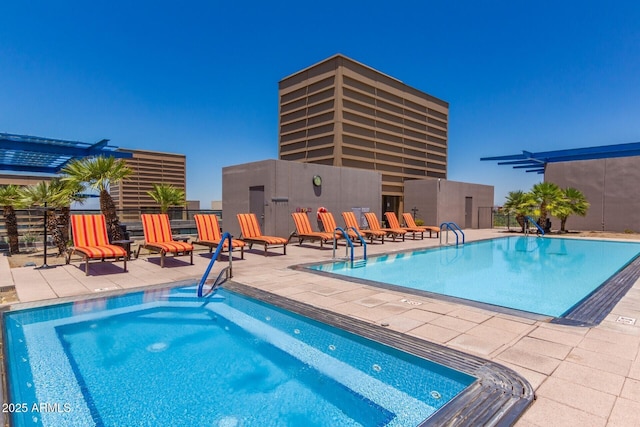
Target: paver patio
[(582, 376)]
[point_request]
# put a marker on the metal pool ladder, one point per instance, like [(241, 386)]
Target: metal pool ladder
[(227, 270), (354, 263), (457, 231), (526, 229)]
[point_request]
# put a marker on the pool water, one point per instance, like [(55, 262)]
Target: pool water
[(546, 276), (167, 358)]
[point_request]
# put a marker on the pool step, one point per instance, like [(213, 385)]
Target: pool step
[(359, 263)]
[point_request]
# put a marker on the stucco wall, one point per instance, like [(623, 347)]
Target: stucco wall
[(289, 188), (611, 186), (443, 200)]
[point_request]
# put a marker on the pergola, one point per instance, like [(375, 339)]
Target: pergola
[(32, 154), (536, 162)]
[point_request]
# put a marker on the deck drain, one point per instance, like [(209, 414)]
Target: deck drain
[(109, 288), (626, 320), (411, 302)]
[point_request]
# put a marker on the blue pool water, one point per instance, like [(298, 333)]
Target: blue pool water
[(164, 358), (540, 275)]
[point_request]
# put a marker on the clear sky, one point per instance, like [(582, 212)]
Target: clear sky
[(201, 77)]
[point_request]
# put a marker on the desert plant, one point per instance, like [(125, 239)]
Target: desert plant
[(166, 195), (573, 202), (545, 195), (44, 195), (11, 199), (100, 173), (519, 204)]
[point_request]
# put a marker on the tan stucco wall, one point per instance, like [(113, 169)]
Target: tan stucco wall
[(288, 188), (440, 200), (611, 186)]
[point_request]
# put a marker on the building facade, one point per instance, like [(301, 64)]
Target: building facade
[(340, 112), (439, 200), (149, 167), (612, 188), (273, 189)]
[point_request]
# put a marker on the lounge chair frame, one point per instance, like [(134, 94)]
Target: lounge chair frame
[(209, 234), (374, 224), (305, 232), (409, 222), (329, 224), (351, 222), (90, 240), (392, 220), (251, 234), (158, 238)]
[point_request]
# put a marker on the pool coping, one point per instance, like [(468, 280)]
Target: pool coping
[(589, 311), (498, 397)]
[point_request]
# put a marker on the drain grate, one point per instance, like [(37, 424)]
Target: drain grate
[(626, 320), (411, 302)]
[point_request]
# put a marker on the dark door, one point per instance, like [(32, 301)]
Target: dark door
[(389, 204), (256, 203), (468, 212)]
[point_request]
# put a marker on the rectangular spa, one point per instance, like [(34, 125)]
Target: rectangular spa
[(164, 357), (547, 276)]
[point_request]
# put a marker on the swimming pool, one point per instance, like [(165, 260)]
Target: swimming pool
[(547, 276), (163, 357)]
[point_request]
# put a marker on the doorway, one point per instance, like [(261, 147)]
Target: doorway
[(468, 212), (390, 204), (256, 203)]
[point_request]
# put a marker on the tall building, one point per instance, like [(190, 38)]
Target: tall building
[(340, 112), (149, 167)]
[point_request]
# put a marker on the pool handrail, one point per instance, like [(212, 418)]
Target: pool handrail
[(540, 230), (362, 242), (228, 270), (349, 242), (450, 225)]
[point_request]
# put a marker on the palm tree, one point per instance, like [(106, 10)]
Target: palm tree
[(545, 195), (100, 173), (518, 203), (573, 203), (11, 198), (167, 195), (46, 195), (69, 192)]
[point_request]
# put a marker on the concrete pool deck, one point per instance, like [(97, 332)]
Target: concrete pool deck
[(588, 376)]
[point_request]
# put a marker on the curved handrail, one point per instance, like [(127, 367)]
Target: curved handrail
[(453, 227), (346, 237), (362, 240), (349, 242), (459, 229), (536, 225), (213, 260)]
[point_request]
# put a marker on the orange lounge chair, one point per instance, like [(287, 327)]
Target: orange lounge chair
[(392, 219), (91, 241), (158, 238), (374, 224), (351, 221), (250, 233), (305, 232), (409, 222), (329, 224), (209, 234)]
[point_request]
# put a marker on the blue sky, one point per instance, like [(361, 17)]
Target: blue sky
[(201, 77)]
